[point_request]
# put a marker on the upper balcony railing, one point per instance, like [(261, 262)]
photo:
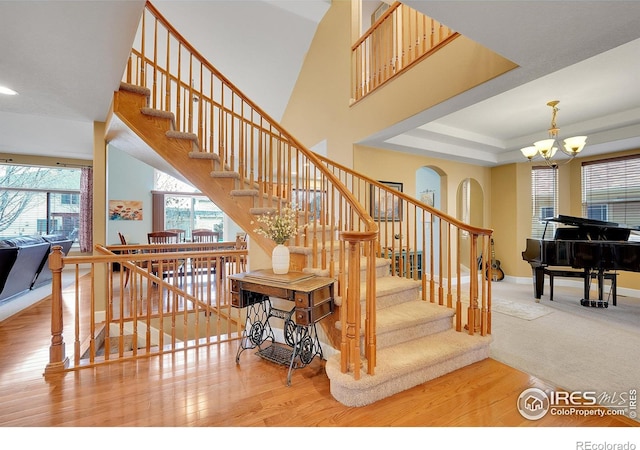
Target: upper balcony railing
[(400, 38)]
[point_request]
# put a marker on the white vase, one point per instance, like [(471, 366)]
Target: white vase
[(280, 259)]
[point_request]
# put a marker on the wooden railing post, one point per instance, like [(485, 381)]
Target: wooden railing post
[(351, 317), (350, 345), (58, 361)]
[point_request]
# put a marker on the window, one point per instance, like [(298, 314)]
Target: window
[(181, 206), (39, 200), (611, 190), (544, 199), (546, 212), (597, 212), (69, 199)]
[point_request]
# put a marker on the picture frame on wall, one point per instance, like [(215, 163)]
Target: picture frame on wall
[(385, 205), (309, 201), (125, 210)]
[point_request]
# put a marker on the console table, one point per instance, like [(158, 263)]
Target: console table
[(405, 263), (313, 300)]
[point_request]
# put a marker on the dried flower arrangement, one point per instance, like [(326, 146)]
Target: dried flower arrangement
[(279, 227)]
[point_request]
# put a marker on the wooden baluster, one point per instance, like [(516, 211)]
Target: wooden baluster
[(58, 360), (449, 272), (458, 272), (473, 312), (370, 319)]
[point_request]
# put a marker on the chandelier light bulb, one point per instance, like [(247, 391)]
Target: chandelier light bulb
[(575, 144), (529, 152)]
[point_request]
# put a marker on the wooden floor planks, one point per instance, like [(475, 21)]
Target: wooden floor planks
[(205, 387)]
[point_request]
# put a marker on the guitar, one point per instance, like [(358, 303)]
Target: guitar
[(494, 271)]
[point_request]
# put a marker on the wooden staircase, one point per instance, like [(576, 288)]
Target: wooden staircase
[(416, 340)]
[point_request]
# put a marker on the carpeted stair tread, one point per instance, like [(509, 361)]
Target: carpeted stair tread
[(244, 193), (392, 290), (224, 174), (409, 314), (402, 367), (175, 134), (204, 155), (157, 113), (135, 89)]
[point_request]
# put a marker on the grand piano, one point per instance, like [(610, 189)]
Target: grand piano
[(595, 247)]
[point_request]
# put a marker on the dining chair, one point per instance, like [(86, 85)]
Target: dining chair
[(204, 235), (164, 237), (181, 233)]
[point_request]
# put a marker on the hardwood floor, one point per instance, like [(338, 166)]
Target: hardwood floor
[(206, 387)]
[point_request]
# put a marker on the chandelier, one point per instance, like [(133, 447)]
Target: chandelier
[(547, 148)]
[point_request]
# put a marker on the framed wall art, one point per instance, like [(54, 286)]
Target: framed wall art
[(125, 210), (385, 205)]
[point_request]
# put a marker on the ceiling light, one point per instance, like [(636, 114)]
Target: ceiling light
[(7, 91), (547, 148)]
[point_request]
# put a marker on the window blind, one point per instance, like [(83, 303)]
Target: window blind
[(544, 199), (611, 190)]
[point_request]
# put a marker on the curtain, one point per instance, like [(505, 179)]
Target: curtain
[(86, 210)]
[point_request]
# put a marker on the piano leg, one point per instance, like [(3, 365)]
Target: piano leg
[(587, 287), (538, 281)]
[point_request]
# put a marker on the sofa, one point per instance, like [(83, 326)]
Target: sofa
[(24, 263), (44, 273)]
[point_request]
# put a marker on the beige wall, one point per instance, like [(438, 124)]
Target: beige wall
[(320, 105)]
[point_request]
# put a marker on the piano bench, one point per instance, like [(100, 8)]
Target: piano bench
[(612, 276)]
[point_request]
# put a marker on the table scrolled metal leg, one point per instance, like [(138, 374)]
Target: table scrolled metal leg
[(257, 328)]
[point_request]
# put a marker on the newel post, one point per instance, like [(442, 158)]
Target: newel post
[(350, 311), (57, 358)]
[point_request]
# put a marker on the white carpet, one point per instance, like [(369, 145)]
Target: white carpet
[(571, 346)]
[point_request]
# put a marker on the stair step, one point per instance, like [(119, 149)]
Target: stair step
[(410, 320), (262, 210), (391, 291), (174, 134), (204, 155), (245, 193), (401, 367), (225, 174), (135, 89), (157, 113)]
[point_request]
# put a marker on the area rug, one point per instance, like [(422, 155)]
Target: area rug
[(521, 310)]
